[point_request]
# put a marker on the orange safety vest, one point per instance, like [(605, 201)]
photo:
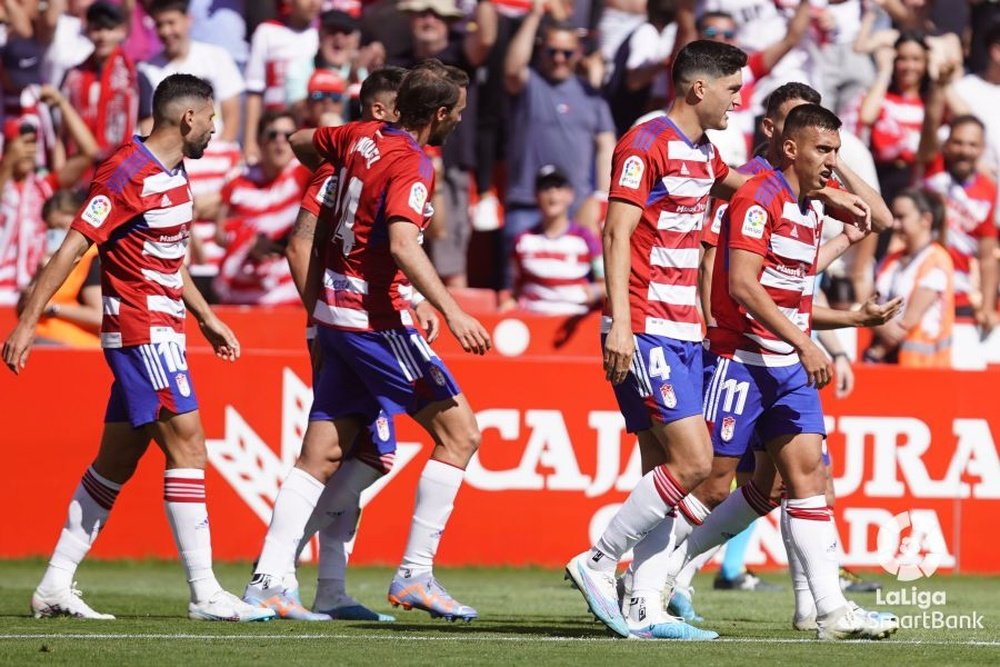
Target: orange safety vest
[(59, 330)]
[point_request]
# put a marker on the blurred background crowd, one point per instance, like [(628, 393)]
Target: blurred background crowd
[(522, 185)]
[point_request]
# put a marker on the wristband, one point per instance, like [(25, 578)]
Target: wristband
[(835, 355)]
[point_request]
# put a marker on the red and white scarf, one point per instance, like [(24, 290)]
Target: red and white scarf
[(106, 97)]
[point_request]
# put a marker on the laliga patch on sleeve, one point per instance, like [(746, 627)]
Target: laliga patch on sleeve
[(632, 172), (717, 219), (753, 222), (327, 194), (96, 211), (418, 197)]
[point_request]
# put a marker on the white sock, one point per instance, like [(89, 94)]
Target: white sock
[(333, 556), (436, 491), (804, 605), (815, 542), (691, 513), (686, 575), (649, 573), (294, 505), (730, 518), (342, 493), (184, 498), (88, 512), (656, 494)]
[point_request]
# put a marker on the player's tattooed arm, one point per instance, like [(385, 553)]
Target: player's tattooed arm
[(219, 336), (304, 257), (18, 344)]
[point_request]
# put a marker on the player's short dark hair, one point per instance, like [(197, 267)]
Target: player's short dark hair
[(967, 119), (810, 115), (270, 116), (707, 58), (63, 201), (992, 35), (661, 11), (426, 88), (161, 6), (383, 80), (708, 16), (927, 202), (793, 90), (176, 87)]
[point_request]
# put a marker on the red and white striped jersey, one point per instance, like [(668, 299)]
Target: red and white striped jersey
[(554, 273), (764, 217), (138, 213), (713, 223), (220, 164), (260, 207), (384, 175), (970, 215), (273, 48), (896, 132), (660, 170), (22, 233)]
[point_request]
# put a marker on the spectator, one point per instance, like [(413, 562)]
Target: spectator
[(73, 315), (558, 267), (104, 88), (845, 73), (69, 45), (326, 104), (275, 46), (892, 112), (339, 52), (920, 273), (556, 118), (259, 209), (431, 25), (223, 23), (24, 190), (182, 54), (981, 91)]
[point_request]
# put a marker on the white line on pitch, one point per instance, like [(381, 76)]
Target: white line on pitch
[(425, 638)]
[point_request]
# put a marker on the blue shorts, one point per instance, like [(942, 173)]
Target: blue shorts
[(148, 378), (745, 401), (747, 462), (367, 372), (664, 384)]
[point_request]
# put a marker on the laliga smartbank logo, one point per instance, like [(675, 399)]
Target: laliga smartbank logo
[(907, 557), (906, 551)]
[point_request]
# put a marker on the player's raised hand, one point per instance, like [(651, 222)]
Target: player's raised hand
[(848, 207), (428, 320), (875, 314), (221, 338), (472, 335), (819, 370), (17, 347), (619, 347)]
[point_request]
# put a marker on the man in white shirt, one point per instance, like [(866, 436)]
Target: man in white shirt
[(981, 91), (182, 54)]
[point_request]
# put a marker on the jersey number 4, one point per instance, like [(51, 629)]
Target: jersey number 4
[(347, 207)]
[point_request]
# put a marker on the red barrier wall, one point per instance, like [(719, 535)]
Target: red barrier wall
[(554, 462)]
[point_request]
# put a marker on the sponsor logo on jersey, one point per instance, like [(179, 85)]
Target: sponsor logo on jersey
[(669, 397), (632, 172), (728, 428), (382, 428), (418, 197), (182, 385), (753, 222), (97, 211)]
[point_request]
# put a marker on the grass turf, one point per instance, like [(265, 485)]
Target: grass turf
[(527, 616)]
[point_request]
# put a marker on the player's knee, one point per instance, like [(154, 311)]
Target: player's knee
[(712, 495), (188, 452)]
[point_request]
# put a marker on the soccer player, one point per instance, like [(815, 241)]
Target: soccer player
[(138, 213), (662, 173), (373, 358), (769, 372)]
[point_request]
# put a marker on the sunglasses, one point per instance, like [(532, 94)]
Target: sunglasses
[(553, 52), (319, 96), (271, 135), (711, 32)]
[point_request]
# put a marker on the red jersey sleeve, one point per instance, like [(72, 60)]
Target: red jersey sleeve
[(319, 192), (755, 63), (633, 171), (750, 224), (719, 166), (329, 142), (409, 191), (105, 209)]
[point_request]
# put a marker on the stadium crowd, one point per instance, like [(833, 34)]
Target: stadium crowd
[(523, 182)]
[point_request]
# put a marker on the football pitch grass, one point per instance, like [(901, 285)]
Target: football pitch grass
[(527, 616)]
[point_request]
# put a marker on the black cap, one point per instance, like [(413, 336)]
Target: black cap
[(103, 14), (551, 176), (334, 19)]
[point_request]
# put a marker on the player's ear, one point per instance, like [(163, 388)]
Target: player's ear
[(698, 89), (788, 148), (767, 127)]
